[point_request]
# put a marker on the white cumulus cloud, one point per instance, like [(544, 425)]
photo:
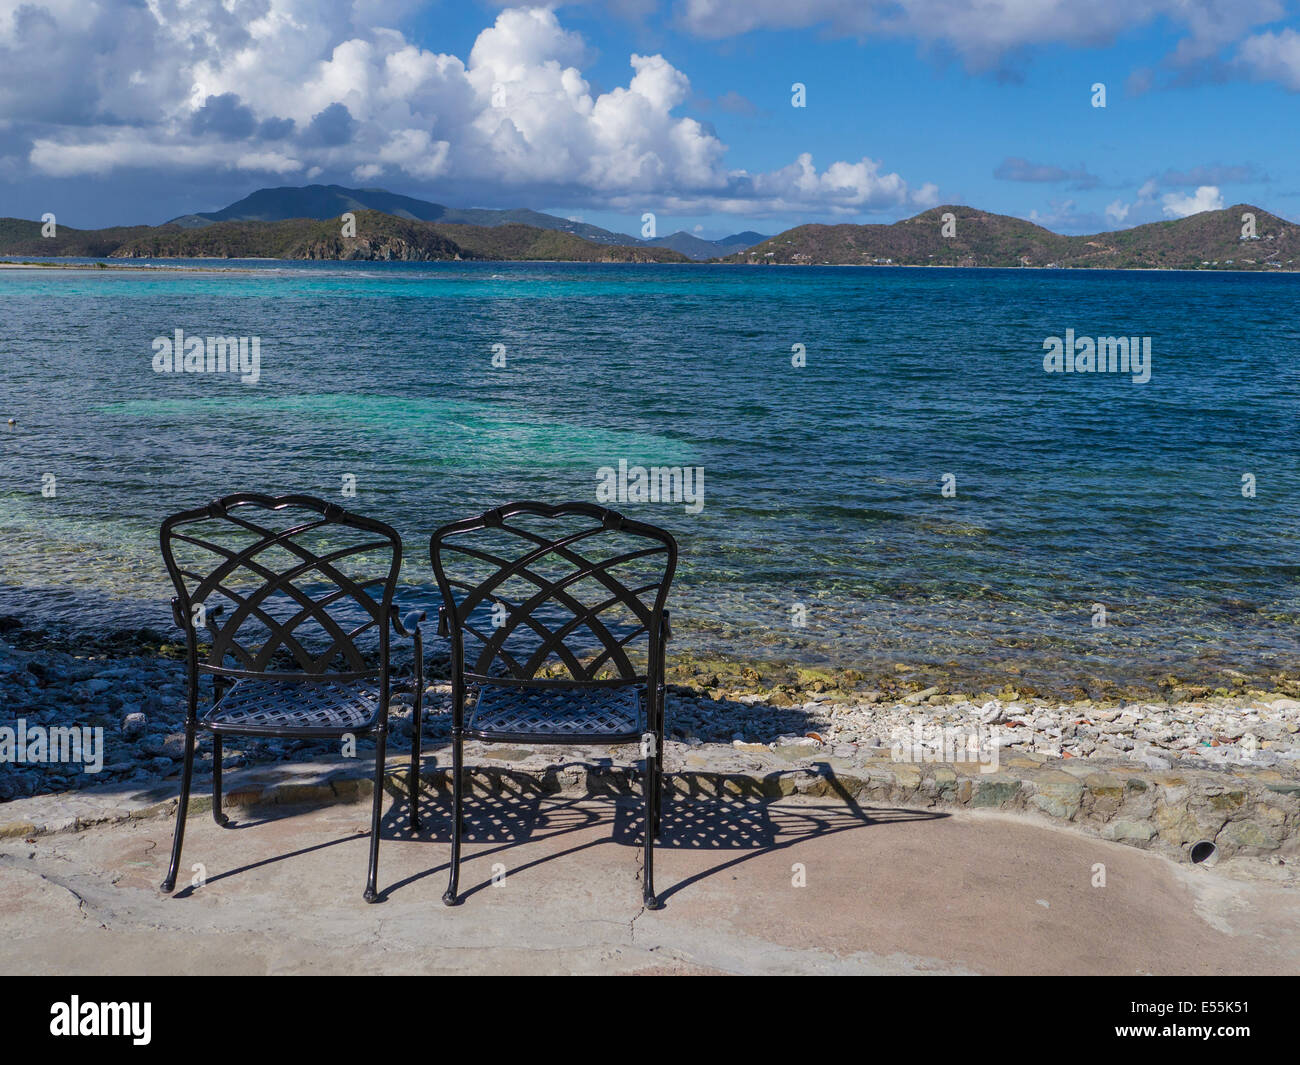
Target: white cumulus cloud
[(295, 88), (1272, 57), (1205, 198)]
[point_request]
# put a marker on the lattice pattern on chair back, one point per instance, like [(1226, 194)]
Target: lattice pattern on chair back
[(286, 585), (570, 593)]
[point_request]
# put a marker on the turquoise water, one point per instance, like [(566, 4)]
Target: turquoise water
[(822, 482)]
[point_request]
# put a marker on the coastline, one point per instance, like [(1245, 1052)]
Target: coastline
[(132, 687), (122, 266), (128, 264)]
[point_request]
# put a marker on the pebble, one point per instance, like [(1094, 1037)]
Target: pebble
[(139, 701)]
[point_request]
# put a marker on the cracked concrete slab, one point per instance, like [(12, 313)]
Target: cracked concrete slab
[(551, 884)]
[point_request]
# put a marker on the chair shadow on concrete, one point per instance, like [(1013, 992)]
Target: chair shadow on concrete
[(187, 890), (739, 818), (505, 808), (745, 818)]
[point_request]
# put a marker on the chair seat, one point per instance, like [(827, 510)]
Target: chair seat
[(559, 714), (308, 707)]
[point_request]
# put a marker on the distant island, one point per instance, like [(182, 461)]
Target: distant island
[(378, 237), (306, 223), (1241, 237)]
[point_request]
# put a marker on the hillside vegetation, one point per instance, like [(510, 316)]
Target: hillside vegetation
[(1211, 240), (379, 237), (20, 237)]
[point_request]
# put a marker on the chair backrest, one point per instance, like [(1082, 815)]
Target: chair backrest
[(540, 594), (286, 585)]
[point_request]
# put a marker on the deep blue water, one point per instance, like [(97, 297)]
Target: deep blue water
[(822, 483)]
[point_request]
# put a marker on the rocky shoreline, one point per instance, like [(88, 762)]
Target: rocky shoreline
[(132, 686)]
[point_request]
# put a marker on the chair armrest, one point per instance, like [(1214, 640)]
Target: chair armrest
[(407, 626), (410, 626)]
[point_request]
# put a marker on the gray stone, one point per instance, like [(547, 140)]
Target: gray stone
[(1249, 835), (1140, 831)]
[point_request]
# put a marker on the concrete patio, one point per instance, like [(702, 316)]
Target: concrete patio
[(551, 885)]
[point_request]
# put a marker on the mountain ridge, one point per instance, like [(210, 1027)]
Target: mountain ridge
[(378, 237), (323, 202), (958, 235), (1241, 237)]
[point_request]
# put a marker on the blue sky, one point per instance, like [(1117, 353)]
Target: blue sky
[(120, 111)]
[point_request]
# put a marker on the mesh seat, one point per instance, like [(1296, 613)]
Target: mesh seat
[(311, 705), (560, 714)]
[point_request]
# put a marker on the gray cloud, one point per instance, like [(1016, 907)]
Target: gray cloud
[(736, 104), (1213, 175), (332, 127), (985, 34), (225, 117), (275, 129), (1013, 168)]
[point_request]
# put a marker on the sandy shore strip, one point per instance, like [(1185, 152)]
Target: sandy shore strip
[(150, 267)]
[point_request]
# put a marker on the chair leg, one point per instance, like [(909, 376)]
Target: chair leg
[(220, 818), (659, 800), (372, 874), (178, 839), (457, 771), (659, 784), (413, 778), (648, 877)]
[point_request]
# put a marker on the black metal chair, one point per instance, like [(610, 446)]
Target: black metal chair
[(286, 586), (564, 607)]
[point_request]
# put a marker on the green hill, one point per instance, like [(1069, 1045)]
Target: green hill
[(694, 247), (20, 237), (378, 237), (325, 202), (1210, 240), (513, 241)]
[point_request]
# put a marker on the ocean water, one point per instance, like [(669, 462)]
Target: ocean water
[(825, 536)]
